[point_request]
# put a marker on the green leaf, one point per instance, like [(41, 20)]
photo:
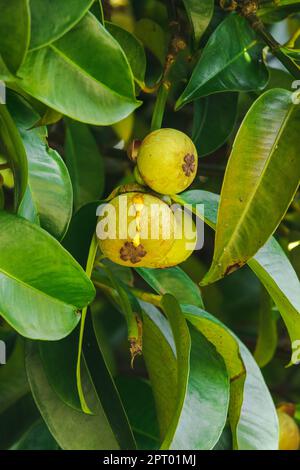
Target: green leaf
[(271, 11), (106, 389), (37, 437), (133, 49), (200, 15), (15, 32), (66, 76), (214, 120), (264, 156), (51, 19), (267, 332), (16, 420), (48, 204), (270, 264), (159, 356), (230, 61), (42, 287), (172, 281), (153, 37), (11, 147), (202, 386), (13, 380), (63, 378), (198, 369), (219, 335), (71, 429), (252, 412), (85, 164), (255, 423), (139, 403)]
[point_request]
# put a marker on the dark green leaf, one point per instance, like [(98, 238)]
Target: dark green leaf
[(231, 61), (37, 437), (13, 381), (85, 164), (71, 429), (214, 120)]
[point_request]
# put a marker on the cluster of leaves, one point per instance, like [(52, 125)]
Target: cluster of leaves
[(88, 72)]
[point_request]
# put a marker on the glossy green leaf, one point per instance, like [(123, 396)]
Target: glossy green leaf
[(51, 19), (15, 32), (84, 75), (49, 204), (200, 15), (252, 411), (270, 264), (85, 164), (71, 429), (11, 147), (202, 386), (159, 356), (219, 335), (231, 61), (133, 49), (255, 423), (42, 286), (172, 281), (255, 196), (267, 332), (214, 120)]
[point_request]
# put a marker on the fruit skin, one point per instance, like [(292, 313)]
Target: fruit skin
[(289, 435), (183, 247), (167, 161), (148, 252)]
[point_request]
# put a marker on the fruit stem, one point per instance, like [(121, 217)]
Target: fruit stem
[(160, 105), (153, 299), (274, 46)]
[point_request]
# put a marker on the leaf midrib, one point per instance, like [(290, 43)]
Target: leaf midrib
[(40, 292), (254, 192), (85, 74), (213, 76)]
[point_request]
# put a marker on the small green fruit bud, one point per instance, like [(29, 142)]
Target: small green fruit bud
[(167, 161)]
